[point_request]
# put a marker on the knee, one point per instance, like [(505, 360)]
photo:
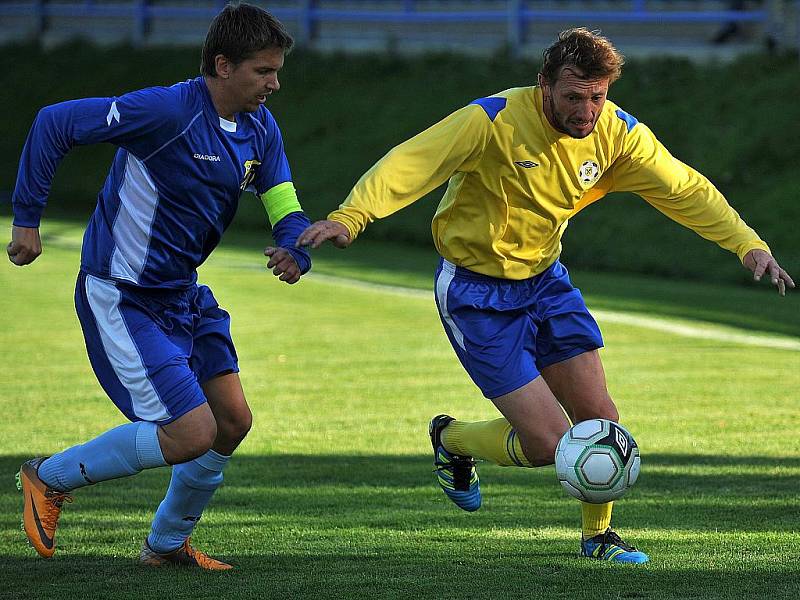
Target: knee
[(601, 408), (234, 427), (201, 442), (606, 410), (242, 425), (612, 414), (182, 446)]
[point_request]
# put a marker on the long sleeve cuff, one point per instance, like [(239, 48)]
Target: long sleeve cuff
[(27, 215), (742, 251), (285, 233)]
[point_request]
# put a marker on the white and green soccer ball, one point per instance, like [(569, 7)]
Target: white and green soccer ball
[(597, 461)]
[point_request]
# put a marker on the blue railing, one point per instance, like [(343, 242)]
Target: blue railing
[(308, 14)]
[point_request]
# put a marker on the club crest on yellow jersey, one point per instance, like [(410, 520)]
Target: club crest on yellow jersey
[(589, 172), (249, 173)]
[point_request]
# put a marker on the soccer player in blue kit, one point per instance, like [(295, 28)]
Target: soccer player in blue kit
[(520, 164), (157, 340)]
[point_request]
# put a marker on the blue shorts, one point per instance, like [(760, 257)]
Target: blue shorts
[(151, 349), (505, 331)]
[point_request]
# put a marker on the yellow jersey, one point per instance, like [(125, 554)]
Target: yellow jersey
[(515, 181)]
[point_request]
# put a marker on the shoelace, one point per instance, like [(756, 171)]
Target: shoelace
[(53, 503), (611, 538), (461, 468), (201, 558)]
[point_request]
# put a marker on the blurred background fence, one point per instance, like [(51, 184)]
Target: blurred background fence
[(734, 120), (684, 27)]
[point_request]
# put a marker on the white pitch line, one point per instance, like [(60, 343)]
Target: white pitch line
[(699, 329), (684, 328)]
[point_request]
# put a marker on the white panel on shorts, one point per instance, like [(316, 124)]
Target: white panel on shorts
[(442, 285), (121, 351), (131, 232)]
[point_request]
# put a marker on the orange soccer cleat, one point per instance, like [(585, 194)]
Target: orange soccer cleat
[(41, 508), (185, 556)]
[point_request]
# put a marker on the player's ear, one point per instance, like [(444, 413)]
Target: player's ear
[(223, 66)]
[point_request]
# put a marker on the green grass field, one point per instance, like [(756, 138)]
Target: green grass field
[(332, 494)]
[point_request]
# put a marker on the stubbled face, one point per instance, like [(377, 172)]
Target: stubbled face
[(572, 104), (250, 82)]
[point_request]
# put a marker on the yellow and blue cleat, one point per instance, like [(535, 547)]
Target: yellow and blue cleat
[(457, 475), (609, 546)]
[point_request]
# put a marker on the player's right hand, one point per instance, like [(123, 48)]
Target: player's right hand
[(25, 246), (321, 231), (283, 265)]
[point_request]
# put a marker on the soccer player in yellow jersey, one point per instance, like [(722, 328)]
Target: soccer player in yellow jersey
[(519, 165)]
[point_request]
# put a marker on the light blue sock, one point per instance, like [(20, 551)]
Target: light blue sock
[(190, 490), (119, 452)]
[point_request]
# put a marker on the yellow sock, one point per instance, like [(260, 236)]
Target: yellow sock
[(595, 518), (495, 441)]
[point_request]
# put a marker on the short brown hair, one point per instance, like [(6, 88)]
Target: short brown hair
[(587, 50), (238, 32)]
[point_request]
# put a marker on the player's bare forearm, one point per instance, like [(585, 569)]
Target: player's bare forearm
[(25, 245), (321, 231), (283, 265), (761, 262)]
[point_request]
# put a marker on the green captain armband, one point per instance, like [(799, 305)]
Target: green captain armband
[(279, 201)]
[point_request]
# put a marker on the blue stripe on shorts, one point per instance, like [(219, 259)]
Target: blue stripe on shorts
[(505, 331)]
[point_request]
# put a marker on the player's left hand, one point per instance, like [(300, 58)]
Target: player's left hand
[(761, 262), (282, 264)]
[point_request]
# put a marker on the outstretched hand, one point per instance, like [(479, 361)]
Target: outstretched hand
[(25, 245), (321, 231), (761, 262), (283, 264)]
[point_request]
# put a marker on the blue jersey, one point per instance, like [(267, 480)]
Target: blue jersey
[(174, 185)]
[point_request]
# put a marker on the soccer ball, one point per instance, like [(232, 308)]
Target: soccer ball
[(597, 461)]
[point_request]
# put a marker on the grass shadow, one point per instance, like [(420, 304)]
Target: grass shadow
[(400, 491), (348, 526)]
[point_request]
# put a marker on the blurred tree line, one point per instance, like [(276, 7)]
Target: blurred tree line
[(736, 123)]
